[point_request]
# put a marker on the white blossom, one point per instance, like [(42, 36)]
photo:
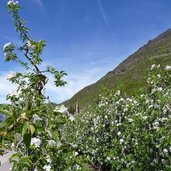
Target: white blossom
[(36, 142), (77, 167), (30, 45), (158, 66), (15, 94), (130, 120), (119, 133), (121, 99), (52, 143), (150, 106), (11, 75), (12, 3), (118, 124), (118, 92), (6, 46), (47, 167), (156, 89), (13, 146), (71, 118), (50, 133), (156, 125), (76, 153), (108, 158), (106, 116), (159, 88), (170, 149), (163, 161), (165, 151), (158, 75), (48, 159), (152, 67), (24, 87), (168, 68), (36, 118), (58, 144), (121, 141), (61, 109)]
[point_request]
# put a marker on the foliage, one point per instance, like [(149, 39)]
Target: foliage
[(122, 133)]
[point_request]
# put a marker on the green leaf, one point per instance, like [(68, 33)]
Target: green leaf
[(5, 112), (27, 139), (25, 129), (32, 129), (15, 157), (27, 132), (26, 161), (55, 135)]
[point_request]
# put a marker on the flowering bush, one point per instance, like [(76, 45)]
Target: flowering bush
[(122, 133)]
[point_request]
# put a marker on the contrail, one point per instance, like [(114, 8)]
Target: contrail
[(102, 12), (105, 19), (41, 5)]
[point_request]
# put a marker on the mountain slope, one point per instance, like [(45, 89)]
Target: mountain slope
[(130, 75)]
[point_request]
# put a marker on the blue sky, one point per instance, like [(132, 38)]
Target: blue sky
[(86, 38)]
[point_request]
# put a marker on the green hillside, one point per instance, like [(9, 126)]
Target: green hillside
[(130, 75)]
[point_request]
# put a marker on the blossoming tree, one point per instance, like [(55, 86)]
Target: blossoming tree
[(32, 125), (127, 133)]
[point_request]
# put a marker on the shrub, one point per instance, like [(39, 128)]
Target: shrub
[(122, 133)]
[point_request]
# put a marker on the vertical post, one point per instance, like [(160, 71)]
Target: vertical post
[(77, 108)]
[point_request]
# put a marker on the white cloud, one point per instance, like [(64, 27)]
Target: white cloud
[(5, 87), (75, 82)]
